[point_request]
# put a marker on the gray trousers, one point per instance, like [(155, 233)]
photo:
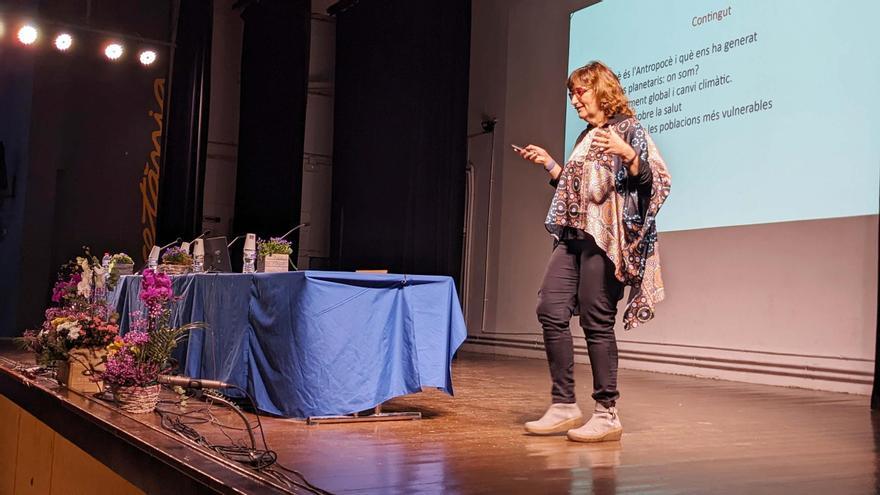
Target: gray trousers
[(580, 277)]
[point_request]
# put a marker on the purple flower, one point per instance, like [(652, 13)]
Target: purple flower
[(176, 256), (124, 370), (136, 338), (156, 291), (138, 323)]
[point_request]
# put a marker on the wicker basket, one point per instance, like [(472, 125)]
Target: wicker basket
[(79, 371), (137, 400), (174, 269)]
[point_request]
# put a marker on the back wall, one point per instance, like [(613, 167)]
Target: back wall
[(789, 303)]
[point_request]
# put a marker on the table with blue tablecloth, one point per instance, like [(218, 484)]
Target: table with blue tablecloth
[(312, 343)]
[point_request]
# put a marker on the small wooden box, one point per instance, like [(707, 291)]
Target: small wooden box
[(123, 269), (274, 263), (78, 373)]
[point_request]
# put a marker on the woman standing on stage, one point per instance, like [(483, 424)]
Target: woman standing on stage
[(602, 219)]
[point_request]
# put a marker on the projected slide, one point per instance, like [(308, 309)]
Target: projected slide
[(765, 111)]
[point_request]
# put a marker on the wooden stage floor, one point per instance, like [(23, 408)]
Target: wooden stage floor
[(681, 435)]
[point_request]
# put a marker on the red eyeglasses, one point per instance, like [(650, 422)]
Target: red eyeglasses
[(577, 91)]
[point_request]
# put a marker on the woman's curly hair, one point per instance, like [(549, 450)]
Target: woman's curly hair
[(597, 77)]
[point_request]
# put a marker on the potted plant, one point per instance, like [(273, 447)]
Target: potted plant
[(176, 261), (135, 361), (120, 264), (273, 255)]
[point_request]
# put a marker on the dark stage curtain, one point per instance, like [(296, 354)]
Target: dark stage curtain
[(274, 86), (78, 132), (182, 179), (400, 125)]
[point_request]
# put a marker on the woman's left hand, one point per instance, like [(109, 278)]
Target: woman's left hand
[(608, 141)]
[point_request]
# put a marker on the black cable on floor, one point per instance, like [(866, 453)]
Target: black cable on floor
[(264, 461)]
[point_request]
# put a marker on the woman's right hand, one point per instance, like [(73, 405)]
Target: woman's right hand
[(536, 154)]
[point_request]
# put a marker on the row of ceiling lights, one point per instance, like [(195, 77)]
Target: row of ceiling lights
[(29, 35)]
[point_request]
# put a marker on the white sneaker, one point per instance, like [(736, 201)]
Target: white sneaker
[(558, 418), (604, 426)]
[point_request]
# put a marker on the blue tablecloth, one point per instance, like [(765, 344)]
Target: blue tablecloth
[(313, 343)]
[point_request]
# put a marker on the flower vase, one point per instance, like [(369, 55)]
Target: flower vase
[(137, 400), (80, 370)]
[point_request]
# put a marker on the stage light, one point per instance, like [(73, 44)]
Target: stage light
[(2, 29), (63, 41), (113, 51), (147, 57), (27, 34)]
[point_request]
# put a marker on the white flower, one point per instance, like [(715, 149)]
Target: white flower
[(99, 273), (74, 330), (84, 288)]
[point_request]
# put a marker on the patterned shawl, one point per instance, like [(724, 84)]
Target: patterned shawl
[(595, 195)]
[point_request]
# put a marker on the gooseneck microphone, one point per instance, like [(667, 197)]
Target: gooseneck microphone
[(185, 245), (233, 241), (203, 234), (155, 252), (304, 224), (175, 241)]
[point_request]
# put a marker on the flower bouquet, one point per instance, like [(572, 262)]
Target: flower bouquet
[(75, 332), (175, 261), (273, 255), (79, 280), (74, 338), (135, 361)]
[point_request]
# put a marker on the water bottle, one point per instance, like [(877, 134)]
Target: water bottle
[(198, 256), (250, 254)]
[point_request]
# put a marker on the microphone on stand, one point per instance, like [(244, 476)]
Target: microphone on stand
[(203, 234), (175, 241), (166, 246), (233, 241), (185, 245), (188, 382), (155, 252), (304, 224)]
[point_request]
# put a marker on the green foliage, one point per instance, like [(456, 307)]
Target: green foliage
[(164, 340), (273, 246), (121, 259)]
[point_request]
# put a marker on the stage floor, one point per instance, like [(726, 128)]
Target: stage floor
[(682, 435)]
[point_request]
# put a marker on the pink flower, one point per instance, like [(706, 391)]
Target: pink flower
[(136, 338), (124, 370), (138, 323), (156, 291)]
